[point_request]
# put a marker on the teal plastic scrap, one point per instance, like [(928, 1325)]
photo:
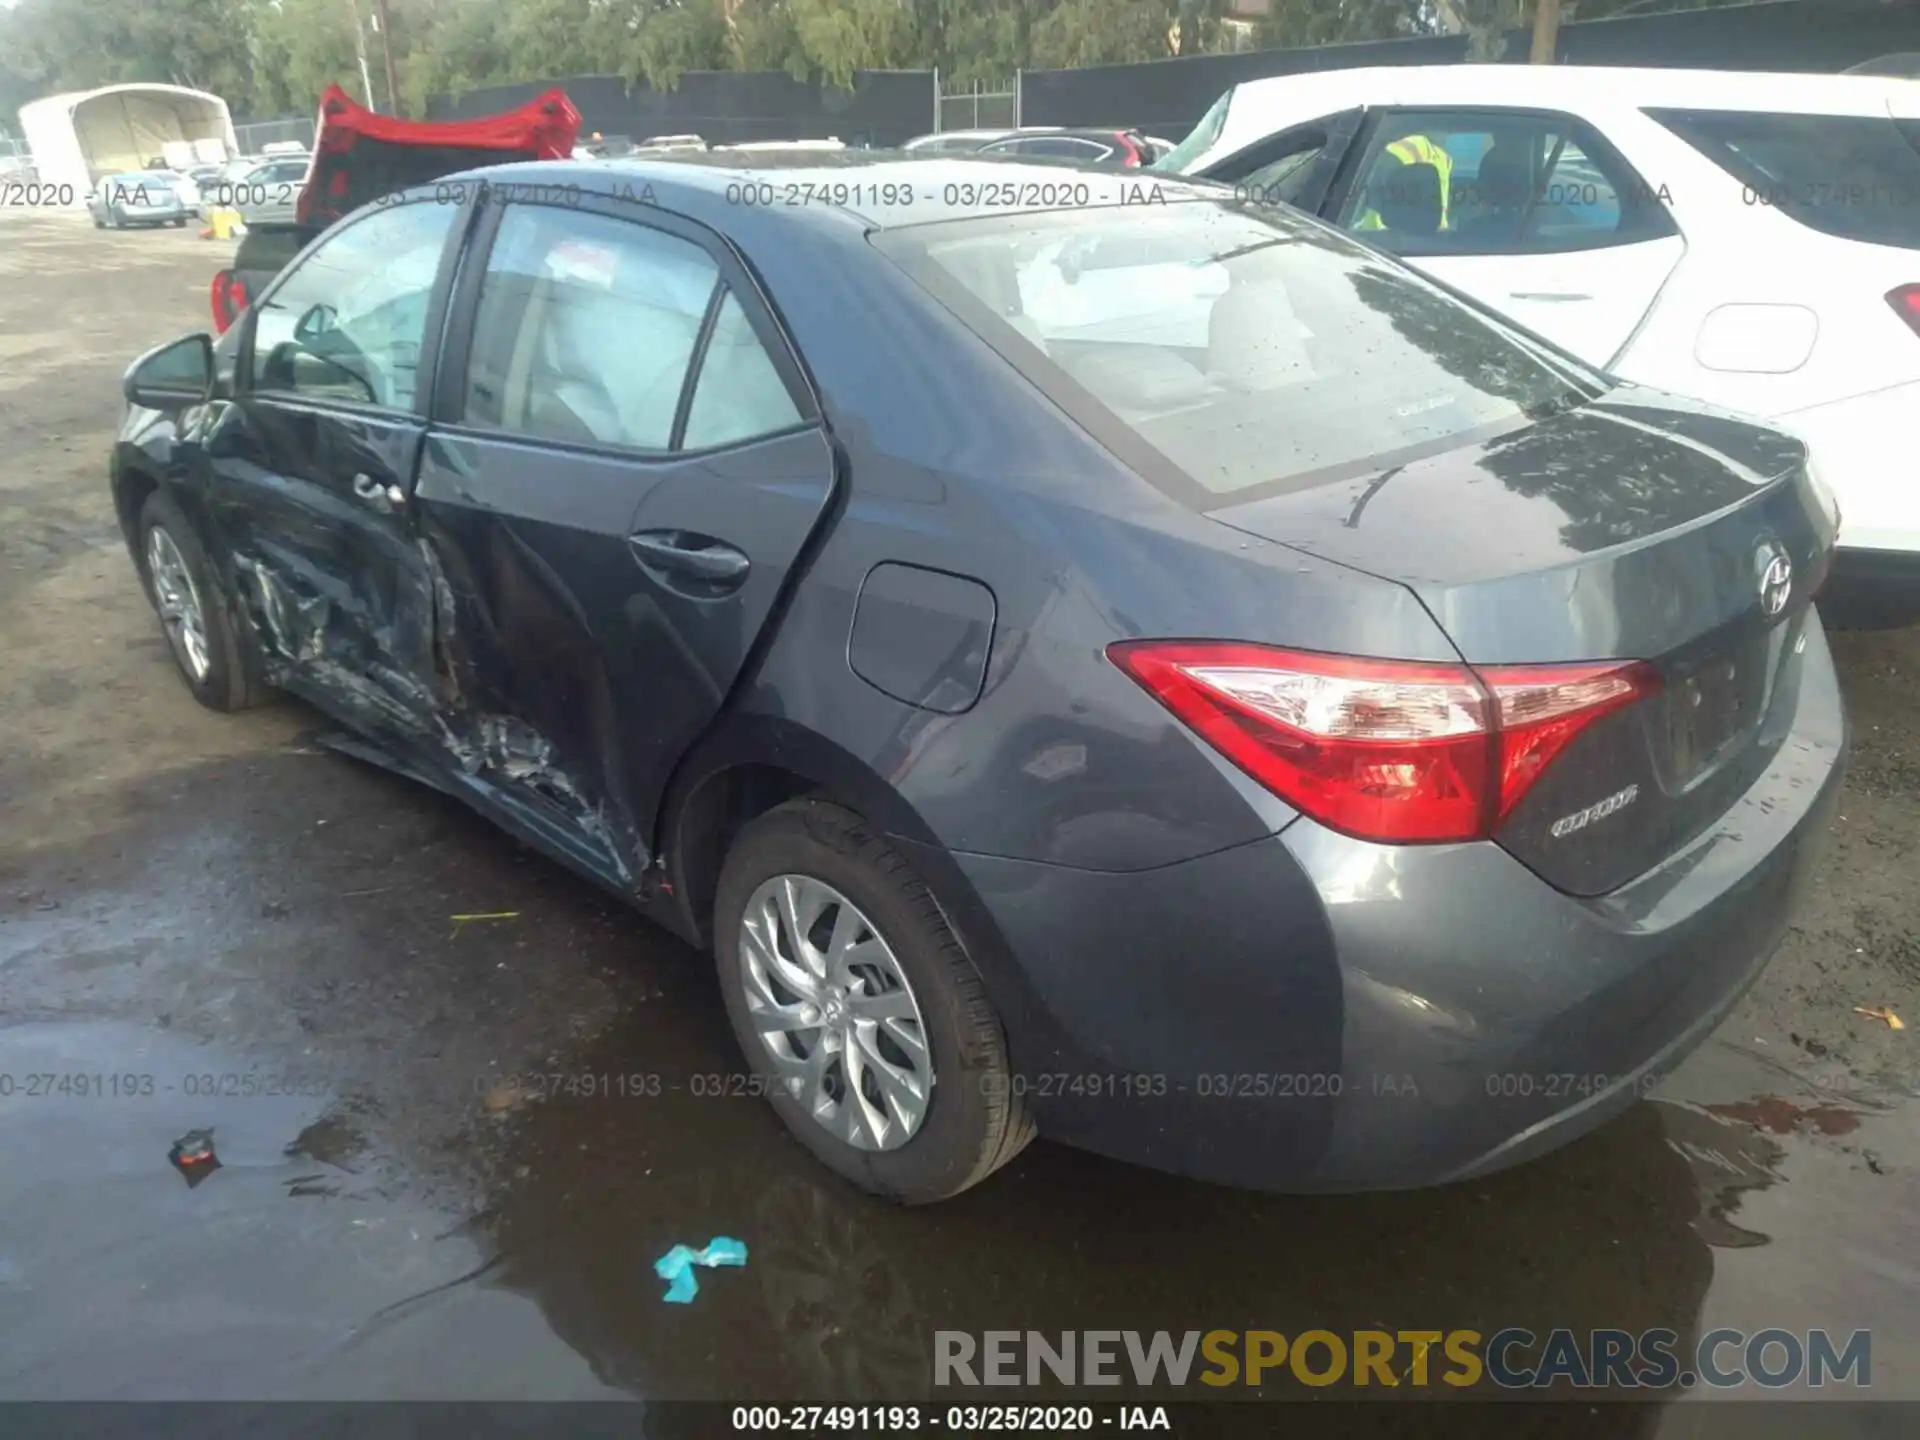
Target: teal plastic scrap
[(676, 1266)]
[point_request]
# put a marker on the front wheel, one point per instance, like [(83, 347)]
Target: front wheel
[(192, 609), (859, 1010)]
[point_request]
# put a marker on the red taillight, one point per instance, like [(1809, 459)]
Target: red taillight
[(229, 299), (1388, 750), (1906, 304), (1134, 158)]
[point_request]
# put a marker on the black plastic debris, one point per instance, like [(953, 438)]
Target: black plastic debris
[(192, 1155)]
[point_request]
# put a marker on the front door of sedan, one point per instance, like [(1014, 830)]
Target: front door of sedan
[(1532, 213), (310, 465), (624, 466)]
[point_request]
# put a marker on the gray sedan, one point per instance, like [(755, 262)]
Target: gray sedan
[(138, 197), (1161, 674)]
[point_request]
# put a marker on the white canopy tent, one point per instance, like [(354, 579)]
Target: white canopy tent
[(78, 137)]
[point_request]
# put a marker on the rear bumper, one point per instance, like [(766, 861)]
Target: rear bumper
[(1310, 1012)]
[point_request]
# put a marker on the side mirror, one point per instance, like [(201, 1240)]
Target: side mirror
[(315, 323), (178, 373)]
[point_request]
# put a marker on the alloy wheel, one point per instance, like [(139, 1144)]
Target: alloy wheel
[(178, 602), (836, 1012)]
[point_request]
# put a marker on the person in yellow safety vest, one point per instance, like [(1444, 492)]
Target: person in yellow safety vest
[(1412, 150)]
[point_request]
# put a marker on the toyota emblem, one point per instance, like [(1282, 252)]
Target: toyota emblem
[(1776, 582)]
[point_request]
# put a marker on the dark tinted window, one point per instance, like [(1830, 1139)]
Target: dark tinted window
[(586, 327), (1277, 170), (1854, 176), (1250, 347)]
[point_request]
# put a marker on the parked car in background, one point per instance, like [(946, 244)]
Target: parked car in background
[(818, 146), (135, 197), (1753, 240), (661, 144), (1126, 149), (1173, 646), (184, 186), (954, 142), (265, 193)]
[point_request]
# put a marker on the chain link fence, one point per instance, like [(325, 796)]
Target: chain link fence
[(980, 107), (255, 136)]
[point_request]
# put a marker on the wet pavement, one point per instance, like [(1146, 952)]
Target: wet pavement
[(313, 1137)]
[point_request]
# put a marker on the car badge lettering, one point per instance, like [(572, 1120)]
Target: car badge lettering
[(1570, 824)]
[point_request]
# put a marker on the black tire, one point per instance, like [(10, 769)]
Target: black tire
[(98, 223), (232, 680), (974, 1122)]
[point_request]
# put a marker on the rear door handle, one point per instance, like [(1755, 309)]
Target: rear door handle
[(1553, 296), (694, 557)]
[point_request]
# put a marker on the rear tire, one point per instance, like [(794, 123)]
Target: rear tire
[(971, 1122), (194, 610)]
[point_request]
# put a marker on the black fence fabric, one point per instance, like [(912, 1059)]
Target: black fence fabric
[(1168, 97), (884, 107)]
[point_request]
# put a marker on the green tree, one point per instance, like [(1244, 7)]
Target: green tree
[(1293, 23), (667, 38), (764, 35), (842, 36), (1104, 32)]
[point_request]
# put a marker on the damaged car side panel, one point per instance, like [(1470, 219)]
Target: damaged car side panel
[(577, 657), (337, 593)]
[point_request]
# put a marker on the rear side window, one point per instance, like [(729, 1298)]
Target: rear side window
[(738, 395), (585, 328), (1852, 176), (1251, 349)]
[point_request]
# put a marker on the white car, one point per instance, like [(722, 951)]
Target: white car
[(1750, 240)]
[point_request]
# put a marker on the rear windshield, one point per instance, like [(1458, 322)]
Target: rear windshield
[(1251, 348), (1854, 176)]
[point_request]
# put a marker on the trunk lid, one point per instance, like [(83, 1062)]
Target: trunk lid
[(1633, 527), (360, 156)]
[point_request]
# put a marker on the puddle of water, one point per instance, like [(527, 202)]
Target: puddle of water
[(294, 1268), (1808, 1198)]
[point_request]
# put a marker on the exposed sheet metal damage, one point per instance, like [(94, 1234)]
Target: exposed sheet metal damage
[(408, 674)]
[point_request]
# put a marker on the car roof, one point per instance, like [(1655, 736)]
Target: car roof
[(850, 184)]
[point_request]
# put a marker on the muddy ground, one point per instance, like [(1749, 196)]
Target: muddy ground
[(238, 931)]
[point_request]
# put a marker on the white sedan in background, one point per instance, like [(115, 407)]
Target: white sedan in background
[(1749, 239)]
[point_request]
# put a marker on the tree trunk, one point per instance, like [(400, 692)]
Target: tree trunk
[(1546, 31)]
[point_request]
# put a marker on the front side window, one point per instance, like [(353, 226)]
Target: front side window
[(1251, 348), (586, 328), (1852, 176), (1496, 183), (349, 321)]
